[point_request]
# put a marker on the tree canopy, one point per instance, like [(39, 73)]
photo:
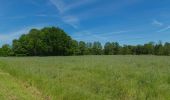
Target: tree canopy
[(52, 41)]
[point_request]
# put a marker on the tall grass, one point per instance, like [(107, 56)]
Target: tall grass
[(94, 77)]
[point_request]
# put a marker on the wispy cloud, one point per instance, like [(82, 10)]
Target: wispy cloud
[(64, 8), (8, 37), (161, 25), (164, 29), (59, 4), (98, 36), (106, 8), (28, 16), (13, 17), (68, 19), (157, 23), (72, 20)]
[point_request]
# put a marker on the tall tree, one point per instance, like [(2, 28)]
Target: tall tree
[(159, 49), (108, 49), (167, 49), (149, 48), (6, 50), (47, 41), (97, 48), (89, 47), (82, 48), (52, 41)]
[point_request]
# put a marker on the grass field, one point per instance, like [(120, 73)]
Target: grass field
[(85, 78)]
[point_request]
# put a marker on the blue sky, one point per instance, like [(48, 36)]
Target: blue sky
[(124, 21)]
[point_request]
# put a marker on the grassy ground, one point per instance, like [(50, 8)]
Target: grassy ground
[(87, 77), (12, 89)]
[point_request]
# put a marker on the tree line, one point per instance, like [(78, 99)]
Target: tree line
[(52, 41)]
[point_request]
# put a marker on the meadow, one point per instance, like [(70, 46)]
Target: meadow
[(85, 78)]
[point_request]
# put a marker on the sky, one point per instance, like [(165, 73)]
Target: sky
[(125, 21)]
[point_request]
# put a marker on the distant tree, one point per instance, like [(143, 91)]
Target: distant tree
[(82, 48), (57, 41), (139, 50), (6, 50), (49, 41), (20, 46), (167, 49), (52, 41), (108, 49), (127, 50), (148, 48), (97, 48), (36, 45), (74, 48), (89, 47), (116, 48), (159, 50)]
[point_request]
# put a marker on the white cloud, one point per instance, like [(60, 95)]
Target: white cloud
[(106, 8), (164, 29), (114, 33), (63, 7), (8, 37), (66, 6), (90, 36), (59, 4), (73, 21), (28, 16), (161, 24), (68, 19), (46, 15), (157, 23)]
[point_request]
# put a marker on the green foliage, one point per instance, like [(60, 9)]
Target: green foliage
[(167, 49), (6, 50), (97, 48), (109, 49), (82, 48), (89, 50), (159, 49), (47, 41), (148, 48), (52, 41)]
